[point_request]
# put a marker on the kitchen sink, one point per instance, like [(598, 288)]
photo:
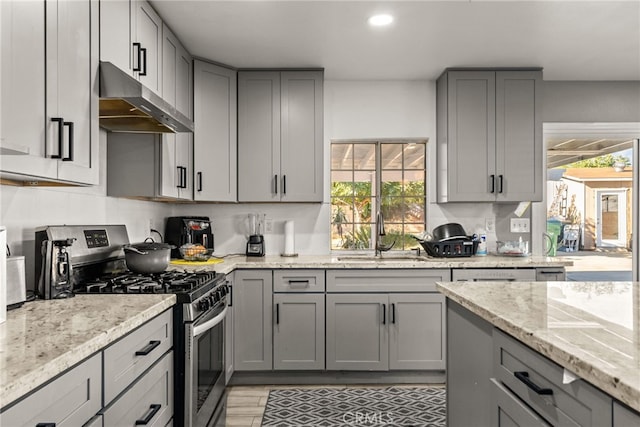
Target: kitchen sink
[(378, 258)]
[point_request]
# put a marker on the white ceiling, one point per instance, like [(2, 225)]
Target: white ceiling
[(571, 40)]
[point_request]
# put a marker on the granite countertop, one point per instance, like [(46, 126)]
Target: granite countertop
[(44, 338), (235, 262), (590, 328)]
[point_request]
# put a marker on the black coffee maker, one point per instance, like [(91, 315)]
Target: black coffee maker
[(188, 229)]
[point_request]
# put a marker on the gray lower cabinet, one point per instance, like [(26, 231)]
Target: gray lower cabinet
[(253, 308), (624, 416), (229, 338), (298, 331), (357, 335), (148, 402), (69, 400)]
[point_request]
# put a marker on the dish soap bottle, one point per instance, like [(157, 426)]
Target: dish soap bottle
[(482, 244)]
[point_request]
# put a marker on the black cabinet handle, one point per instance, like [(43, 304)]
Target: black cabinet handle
[(384, 314), (277, 314), (230, 288), (153, 410), (284, 184), (199, 174), (492, 181), (299, 281), (138, 46), (179, 176), (275, 181), (69, 158), (182, 182), (148, 348), (500, 183), (46, 425), (143, 71), (524, 377), (393, 313), (60, 122), (186, 183)]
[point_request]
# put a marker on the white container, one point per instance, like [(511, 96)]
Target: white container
[(3, 274)]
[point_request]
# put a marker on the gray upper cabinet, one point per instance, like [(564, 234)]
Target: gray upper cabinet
[(298, 331), (131, 39), (215, 133), (280, 134), (50, 91), (252, 311), (489, 136)]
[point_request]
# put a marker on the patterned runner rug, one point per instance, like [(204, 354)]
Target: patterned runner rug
[(392, 406)]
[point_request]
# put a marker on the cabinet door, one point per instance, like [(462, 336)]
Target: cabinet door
[(252, 320), (298, 331), (259, 178), (215, 133), (72, 88), (148, 30), (519, 136), (301, 136), (70, 400), (417, 331), (116, 30), (471, 136), (357, 335), (170, 173), (509, 411), (23, 90), (229, 341)]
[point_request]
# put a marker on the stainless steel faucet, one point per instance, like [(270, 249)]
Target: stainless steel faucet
[(379, 247)]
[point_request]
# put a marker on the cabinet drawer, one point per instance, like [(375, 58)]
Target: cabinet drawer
[(298, 281), (70, 400), (150, 399), (624, 416), (508, 410), (128, 358), (577, 403), (392, 280)]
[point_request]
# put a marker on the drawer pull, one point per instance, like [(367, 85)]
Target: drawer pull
[(148, 348), (153, 410), (524, 377), (46, 425), (303, 283)]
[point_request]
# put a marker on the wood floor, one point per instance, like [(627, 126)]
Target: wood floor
[(245, 404)]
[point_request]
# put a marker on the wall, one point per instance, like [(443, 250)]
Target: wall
[(22, 209), (591, 101), (355, 109)]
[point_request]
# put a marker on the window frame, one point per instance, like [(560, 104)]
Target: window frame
[(377, 194)]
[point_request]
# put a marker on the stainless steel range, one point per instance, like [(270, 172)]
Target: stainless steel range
[(96, 265)]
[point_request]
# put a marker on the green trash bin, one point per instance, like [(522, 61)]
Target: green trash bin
[(554, 230)]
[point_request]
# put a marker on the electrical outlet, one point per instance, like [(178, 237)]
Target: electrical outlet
[(268, 226), (490, 225), (520, 225)]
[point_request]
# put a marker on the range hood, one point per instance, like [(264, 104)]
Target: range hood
[(128, 106)]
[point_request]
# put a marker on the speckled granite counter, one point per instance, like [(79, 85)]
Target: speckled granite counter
[(386, 261), (44, 338), (590, 328)]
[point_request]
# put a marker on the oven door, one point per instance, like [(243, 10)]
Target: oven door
[(204, 367)]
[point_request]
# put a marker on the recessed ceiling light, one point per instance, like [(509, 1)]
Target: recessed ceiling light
[(380, 20)]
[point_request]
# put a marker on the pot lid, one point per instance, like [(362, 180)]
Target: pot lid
[(150, 245)]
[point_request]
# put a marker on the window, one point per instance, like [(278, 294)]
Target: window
[(372, 176)]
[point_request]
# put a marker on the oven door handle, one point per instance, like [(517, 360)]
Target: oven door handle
[(211, 323)]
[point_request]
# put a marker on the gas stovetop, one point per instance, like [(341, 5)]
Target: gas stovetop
[(187, 285)]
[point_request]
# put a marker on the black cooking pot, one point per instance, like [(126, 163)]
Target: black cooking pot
[(148, 256), (448, 231)]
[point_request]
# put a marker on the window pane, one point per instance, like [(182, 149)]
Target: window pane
[(414, 156), (391, 156), (362, 209), (414, 183), (391, 183), (339, 235), (341, 184), (342, 156), (360, 238), (364, 183), (364, 157), (414, 209), (393, 209), (341, 210)]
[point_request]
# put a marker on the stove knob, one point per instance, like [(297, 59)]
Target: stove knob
[(204, 305), (215, 298)]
